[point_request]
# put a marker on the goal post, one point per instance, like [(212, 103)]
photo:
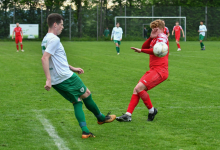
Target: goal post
[(133, 25)]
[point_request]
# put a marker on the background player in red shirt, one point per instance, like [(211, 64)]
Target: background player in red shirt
[(158, 72), (18, 36), (177, 29), (166, 30)]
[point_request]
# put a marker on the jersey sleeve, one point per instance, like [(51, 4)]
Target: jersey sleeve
[(181, 28), (52, 44)]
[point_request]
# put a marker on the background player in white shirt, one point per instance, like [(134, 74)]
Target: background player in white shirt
[(117, 34), (60, 75), (202, 30)]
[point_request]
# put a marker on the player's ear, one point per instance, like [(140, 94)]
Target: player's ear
[(55, 24)]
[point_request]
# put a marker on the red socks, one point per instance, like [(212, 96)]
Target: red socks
[(135, 99), (21, 46), (17, 47), (133, 103), (178, 45), (146, 99)]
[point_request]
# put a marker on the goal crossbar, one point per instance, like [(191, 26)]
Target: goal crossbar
[(156, 17)]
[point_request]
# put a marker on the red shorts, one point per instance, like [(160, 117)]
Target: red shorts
[(177, 38), (153, 77), (18, 39)]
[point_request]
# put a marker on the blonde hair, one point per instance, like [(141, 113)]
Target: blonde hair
[(157, 24)]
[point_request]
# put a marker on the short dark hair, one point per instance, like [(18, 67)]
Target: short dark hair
[(202, 21), (177, 21), (117, 23), (54, 18)]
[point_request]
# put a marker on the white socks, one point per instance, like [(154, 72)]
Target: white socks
[(151, 111), (127, 113)]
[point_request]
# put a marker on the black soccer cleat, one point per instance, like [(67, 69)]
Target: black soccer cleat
[(124, 118), (151, 116)]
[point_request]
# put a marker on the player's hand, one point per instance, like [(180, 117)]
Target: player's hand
[(111, 39), (12, 37), (79, 70), (120, 39), (183, 35), (136, 49), (48, 85), (154, 32), (198, 31)]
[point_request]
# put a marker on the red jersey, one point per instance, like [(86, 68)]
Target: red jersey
[(166, 30), (177, 30), (159, 61), (17, 31)]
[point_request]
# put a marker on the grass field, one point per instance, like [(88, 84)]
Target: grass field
[(188, 101)]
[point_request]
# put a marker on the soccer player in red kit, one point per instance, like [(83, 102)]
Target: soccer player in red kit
[(177, 29), (166, 30), (157, 74), (18, 36)]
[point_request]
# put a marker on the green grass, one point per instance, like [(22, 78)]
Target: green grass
[(188, 101)]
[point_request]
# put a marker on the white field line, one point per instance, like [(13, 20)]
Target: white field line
[(52, 133)]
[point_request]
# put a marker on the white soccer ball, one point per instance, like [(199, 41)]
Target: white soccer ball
[(160, 49)]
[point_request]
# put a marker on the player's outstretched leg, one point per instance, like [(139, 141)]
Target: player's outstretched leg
[(80, 116), (91, 105)]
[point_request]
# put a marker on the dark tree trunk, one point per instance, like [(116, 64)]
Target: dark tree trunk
[(79, 19), (100, 26)]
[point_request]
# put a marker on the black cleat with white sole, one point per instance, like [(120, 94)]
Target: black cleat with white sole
[(124, 118), (151, 116)]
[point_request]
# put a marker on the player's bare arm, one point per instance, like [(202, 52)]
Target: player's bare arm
[(22, 34), (78, 70), (168, 34), (183, 33), (45, 64), (138, 50), (13, 34), (173, 32)]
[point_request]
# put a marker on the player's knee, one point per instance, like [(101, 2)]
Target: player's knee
[(138, 89), (135, 91), (200, 41), (88, 92)]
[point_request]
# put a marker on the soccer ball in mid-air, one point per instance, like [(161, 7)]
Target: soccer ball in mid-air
[(160, 49)]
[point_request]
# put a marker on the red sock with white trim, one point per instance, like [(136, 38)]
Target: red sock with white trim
[(146, 99), (17, 47), (133, 103)]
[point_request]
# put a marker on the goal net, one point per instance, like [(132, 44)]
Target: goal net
[(133, 26)]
